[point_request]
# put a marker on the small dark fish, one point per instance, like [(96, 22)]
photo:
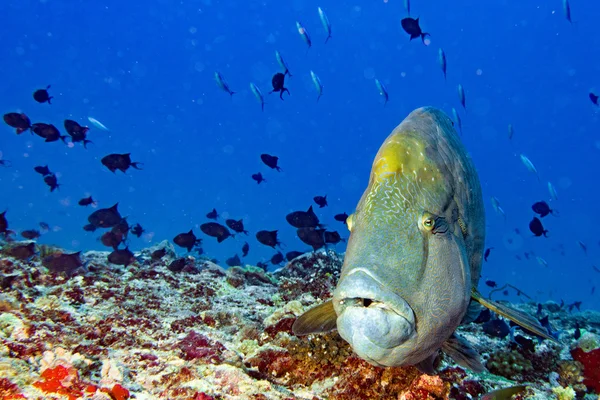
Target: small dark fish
[(4, 224), (233, 261), (321, 201), (536, 227), (270, 161), (111, 239), (262, 265), (52, 181), (312, 237), (77, 132), (277, 258), (105, 217), (42, 95), (542, 208), (593, 97), (31, 234), (21, 252), (332, 237), (546, 324), (484, 316), (19, 121), (487, 253), (525, 343), (236, 226), (5, 163), (303, 219), (62, 262), (292, 254), (137, 230), (341, 218), (48, 132), (42, 170), (496, 328), (491, 284), (258, 178), (278, 84), (121, 162), (158, 254), (411, 26), (122, 257), (268, 238), (216, 230), (178, 264), (89, 228), (245, 249), (577, 333), (213, 214), (583, 247), (87, 201), (186, 240), (576, 305)]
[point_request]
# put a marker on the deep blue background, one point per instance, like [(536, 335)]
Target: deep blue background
[(147, 72)]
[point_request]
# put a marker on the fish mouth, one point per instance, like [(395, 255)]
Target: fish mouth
[(371, 317)]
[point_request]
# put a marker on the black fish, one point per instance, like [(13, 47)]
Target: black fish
[(594, 98), (121, 228), (341, 217), (321, 201), (542, 208), (411, 26), (137, 230), (491, 284), (86, 201), (233, 261), (213, 214), (186, 240), (525, 343), (312, 237), (497, 328), (278, 81), (112, 239), (178, 264), (120, 162), (236, 226), (270, 161), (245, 249), (51, 181), (576, 305), (484, 316), (332, 237), (4, 224), (277, 258), (216, 230), (268, 238), (21, 252), (42, 170), (77, 132), (546, 324), (487, 253), (258, 178), (303, 219), (577, 333), (105, 217), (292, 254), (19, 121), (89, 228), (61, 262), (42, 95), (47, 131), (262, 265), (121, 257), (31, 234), (536, 227), (158, 254)]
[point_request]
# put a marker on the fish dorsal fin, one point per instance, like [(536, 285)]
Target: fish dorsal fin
[(191, 232), (310, 209), (319, 319), (518, 317), (462, 353), (115, 207)]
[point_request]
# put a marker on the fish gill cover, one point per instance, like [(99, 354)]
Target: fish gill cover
[(244, 133)]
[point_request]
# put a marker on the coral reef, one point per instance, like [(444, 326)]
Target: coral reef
[(185, 328)]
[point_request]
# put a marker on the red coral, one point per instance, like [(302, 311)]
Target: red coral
[(203, 396), (60, 380), (118, 392), (196, 346), (283, 325), (591, 367), (9, 391)]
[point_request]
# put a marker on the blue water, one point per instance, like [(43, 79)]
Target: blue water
[(146, 71)]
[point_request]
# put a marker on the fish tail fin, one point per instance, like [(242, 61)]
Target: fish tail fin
[(64, 139), (462, 353), (231, 93), (86, 142), (50, 99), (137, 165), (328, 37), (423, 36), (520, 318)]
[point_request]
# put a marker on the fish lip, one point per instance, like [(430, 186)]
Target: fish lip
[(361, 283)]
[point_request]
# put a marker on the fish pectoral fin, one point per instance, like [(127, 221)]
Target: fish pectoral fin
[(427, 365), (524, 320), (473, 312), (319, 319), (462, 353)]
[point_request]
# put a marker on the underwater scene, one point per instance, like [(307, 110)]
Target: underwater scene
[(210, 200)]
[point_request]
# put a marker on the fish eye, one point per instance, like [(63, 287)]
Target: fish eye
[(428, 221)]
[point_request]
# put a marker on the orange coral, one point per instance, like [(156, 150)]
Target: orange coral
[(60, 380)]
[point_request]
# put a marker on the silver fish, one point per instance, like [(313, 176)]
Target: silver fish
[(223, 84), (461, 95), (442, 61), (317, 83), (325, 22), (258, 95), (552, 191), (497, 208), (282, 63), (414, 254), (382, 91), (304, 34), (97, 124), (541, 261), (457, 119), (529, 165)]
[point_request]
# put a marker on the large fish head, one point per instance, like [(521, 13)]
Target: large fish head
[(405, 283)]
